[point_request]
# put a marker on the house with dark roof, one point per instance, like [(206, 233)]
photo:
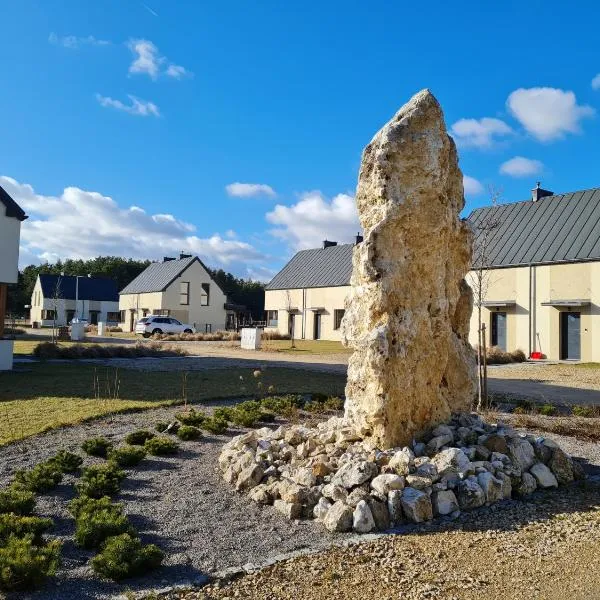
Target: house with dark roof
[(540, 262), (181, 288), (307, 297), (11, 217), (58, 299)]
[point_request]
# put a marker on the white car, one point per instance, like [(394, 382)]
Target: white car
[(152, 325)]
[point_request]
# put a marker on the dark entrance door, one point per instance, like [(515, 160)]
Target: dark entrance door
[(291, 324), (317, 335), (498, 332), (94, 317), (570, 335)]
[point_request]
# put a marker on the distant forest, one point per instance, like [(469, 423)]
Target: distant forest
[(240, 291)]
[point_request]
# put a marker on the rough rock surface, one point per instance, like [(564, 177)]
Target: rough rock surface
[(412, 364), (361, 488)]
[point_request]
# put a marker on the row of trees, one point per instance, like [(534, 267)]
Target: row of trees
[(240, 291)]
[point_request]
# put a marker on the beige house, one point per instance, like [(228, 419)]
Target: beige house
[(541, 291), (180, 288), (308, 295), (11, 217)]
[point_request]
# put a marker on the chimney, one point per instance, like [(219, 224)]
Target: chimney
[(537, 193), (167, 258), (182, 256), (358, 239), (328, 244)]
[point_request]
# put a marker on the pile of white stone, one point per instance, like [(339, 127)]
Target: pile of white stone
[(329, 474)]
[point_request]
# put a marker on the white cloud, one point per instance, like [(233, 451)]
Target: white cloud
[(148, 61), (548, 113), (177, 72), (73, 42), (472, 186), (482, 133), (313, 219), (596, 82), (84, 224), (250, 190), (137, 107), (520, 166)]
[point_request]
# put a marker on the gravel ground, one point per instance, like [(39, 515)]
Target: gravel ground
[(543, 549), (555, 374), (181, 504)]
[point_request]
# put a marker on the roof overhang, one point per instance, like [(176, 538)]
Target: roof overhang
[(292, 311), (568, 303), (317, 308), (498, 303)]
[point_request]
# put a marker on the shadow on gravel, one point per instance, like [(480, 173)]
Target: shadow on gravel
[(511, 515)]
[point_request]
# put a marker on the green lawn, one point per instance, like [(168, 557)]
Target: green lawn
[(305, 347), (43, 396)]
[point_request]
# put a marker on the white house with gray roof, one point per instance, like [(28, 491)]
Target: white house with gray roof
[(308, 295), (181, 288)]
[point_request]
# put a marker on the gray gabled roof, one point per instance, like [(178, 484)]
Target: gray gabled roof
[(319, 267), (87, 288), (158, 276), (557, 228)]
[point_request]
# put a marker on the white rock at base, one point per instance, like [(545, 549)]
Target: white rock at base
[(321, 508), (339, 517), (386, 482), (362, 518), (543, 475), (444, 502), (416, 505)]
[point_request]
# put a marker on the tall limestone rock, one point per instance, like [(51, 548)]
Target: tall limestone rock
[(407, 317)]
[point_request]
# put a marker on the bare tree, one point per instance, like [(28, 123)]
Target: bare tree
[(291, 316), (480, 279)]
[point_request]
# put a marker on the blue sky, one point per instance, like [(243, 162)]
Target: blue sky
[(127, 124)]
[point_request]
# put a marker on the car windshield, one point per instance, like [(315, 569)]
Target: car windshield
[(143, 320)]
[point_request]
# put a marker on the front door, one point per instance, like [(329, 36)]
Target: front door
[(94, 317), (498, 332), (131, 320), (570, 335), (317, 331), (291, 325)]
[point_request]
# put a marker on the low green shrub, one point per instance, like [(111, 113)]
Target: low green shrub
[(585, 411), (94, 527), (100, 480), (20, 526), (547, 410), (188, 432), (85, 504), (280, 404), (191, 417), (97, 446), (223, 413), (161, 446), (41, 479), (315, 407), (25, 565), (161, 426), (334, 403), (138, 438), (215, 425), (125, 556), (15, 499), (266, 416), (127, 456), (519, 410), (244, 418), (66, 461)]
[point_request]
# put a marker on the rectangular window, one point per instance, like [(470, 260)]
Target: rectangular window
[(123, 316), (205, 295), (47, 315), (160, 311), (184, 292), (113, 317), (272, 318), (338, 315)]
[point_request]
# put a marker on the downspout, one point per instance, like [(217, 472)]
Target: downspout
[(532, 309), (304, 313)]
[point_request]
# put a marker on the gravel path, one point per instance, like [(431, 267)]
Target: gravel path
[(179, 503), (182, 504), (545, 549)]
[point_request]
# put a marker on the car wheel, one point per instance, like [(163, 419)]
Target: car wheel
[(145, 335), (187, 331), (156, 331)]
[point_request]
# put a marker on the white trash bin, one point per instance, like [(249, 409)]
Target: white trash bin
[(101, 328), (77, 331), (251, 338)]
